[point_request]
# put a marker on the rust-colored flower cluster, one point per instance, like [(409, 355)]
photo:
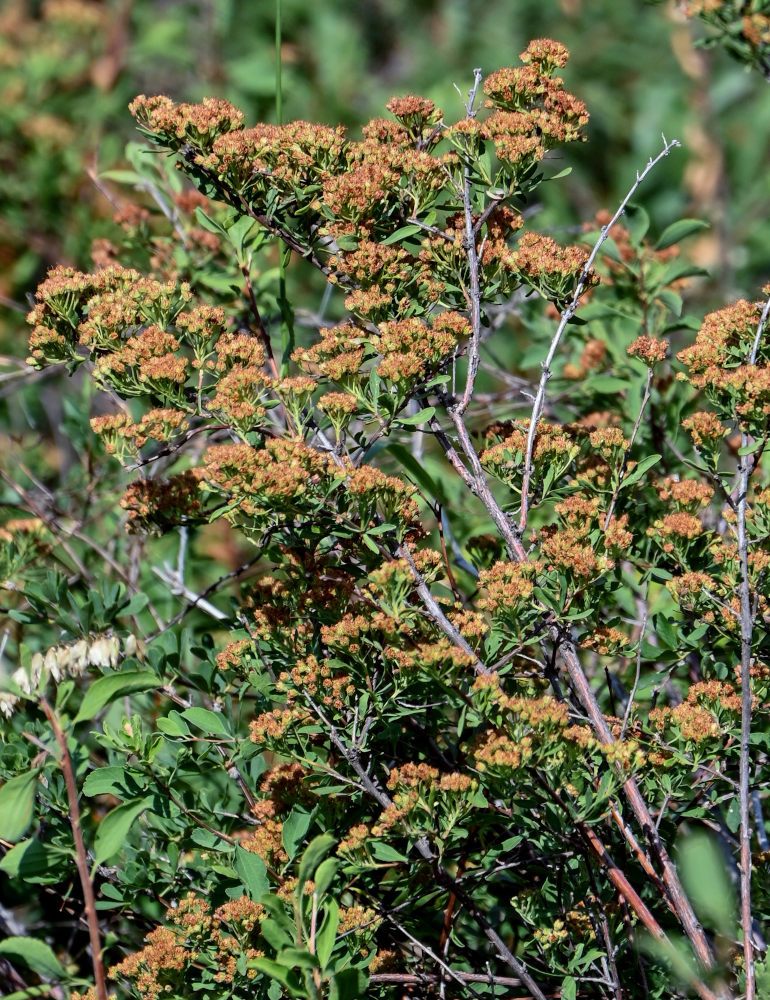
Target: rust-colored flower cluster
[(224, 937), (155, 505), (720, 363), (543, 108)]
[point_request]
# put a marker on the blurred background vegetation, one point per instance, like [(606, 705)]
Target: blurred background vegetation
[(69, 67)]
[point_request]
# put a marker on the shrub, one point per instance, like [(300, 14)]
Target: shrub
[(487, 706)]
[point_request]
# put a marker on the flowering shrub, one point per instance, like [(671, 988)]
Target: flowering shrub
[(488, 706)]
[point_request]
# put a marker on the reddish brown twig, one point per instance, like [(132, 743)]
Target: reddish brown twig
[(81, 858)]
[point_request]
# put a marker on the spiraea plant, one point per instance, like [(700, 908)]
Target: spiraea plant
[(469, 695)]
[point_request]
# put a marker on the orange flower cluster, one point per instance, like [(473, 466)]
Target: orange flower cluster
[(546, 110), (179, 123), (650, 350), (605, 640), (686, 493), (351, 632), (718, 362), (296, 157), (503, 754), (554, 446), (146, 360), (319, 680), (92, 310), (411, 349), (424, 800), (155, 505), (550, 269), (261, 479), (608, 442), (223, 938), (442, 657), (572, 546), (417, 115), (338, 355), (701, 716), (670, 531), (507, 586), (375, 492), (384, 277), (705, 429), (281, 786), (123, 436)]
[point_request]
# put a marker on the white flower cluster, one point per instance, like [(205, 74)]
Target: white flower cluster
[(58, 661)]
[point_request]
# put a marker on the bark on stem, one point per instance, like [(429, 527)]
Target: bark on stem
[(81, 857), (747, 636)]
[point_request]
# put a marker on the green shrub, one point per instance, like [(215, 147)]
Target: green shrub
[(415, 670)]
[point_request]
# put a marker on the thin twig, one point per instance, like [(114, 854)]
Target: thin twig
[(632, 695), (81, 857), (566, 316), (473, 266), (747, 636), (624, 464)]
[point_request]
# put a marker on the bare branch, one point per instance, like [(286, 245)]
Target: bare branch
[(566, 316), (747, 638), (81, 857)]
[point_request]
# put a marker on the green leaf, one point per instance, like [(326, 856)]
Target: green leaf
[(30, 860), (208, 721), (297, 958), (295, 827), (381, 529), (384, 852), (672, 300), (349, 984), (208, 223), (569, 988), (136, 604), (607, 383), (111, 780), (665, 632), (678, 230), (418, 418), (401, 234), (639, 470), (270, 968), (275, 935), (707, 881), (36, 955), (314, 853), (324, 875), (107, 689), (17, 802), (637, 222), (733, 815), (327, 935), (252, 872), (122, 176), (173, 728), (114, 828), (238, 232)]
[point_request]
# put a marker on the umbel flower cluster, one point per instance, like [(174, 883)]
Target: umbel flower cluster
[(485, 665)]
